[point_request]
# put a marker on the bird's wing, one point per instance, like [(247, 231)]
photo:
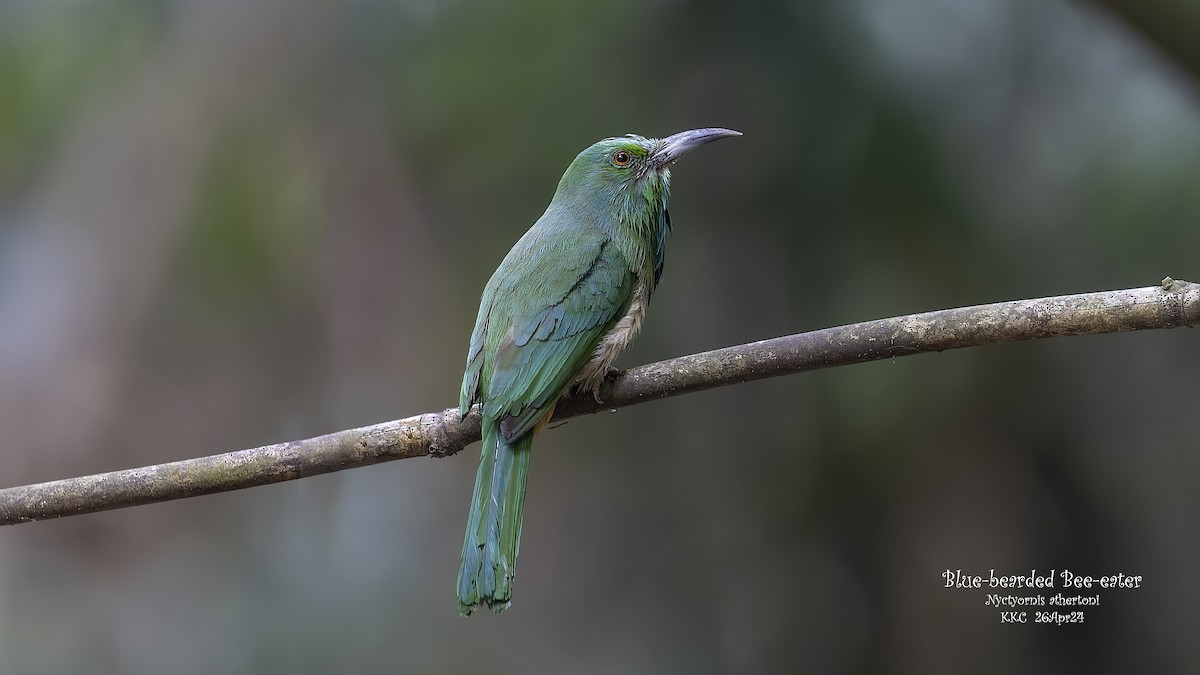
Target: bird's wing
[(469, 393), (561, 310)]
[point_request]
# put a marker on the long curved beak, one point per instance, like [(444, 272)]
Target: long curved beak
[(677, 145)]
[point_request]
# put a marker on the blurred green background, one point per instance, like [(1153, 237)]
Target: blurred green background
[(225, 224)]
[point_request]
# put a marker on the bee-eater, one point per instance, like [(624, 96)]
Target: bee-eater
[(567, 298)]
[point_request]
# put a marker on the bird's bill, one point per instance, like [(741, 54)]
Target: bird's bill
[(677, 145)]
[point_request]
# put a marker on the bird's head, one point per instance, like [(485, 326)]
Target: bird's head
[(630, 172)]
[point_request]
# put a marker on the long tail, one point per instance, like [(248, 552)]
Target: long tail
[(489, 556)]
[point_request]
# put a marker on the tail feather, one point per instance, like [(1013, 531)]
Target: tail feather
[(493, 538)]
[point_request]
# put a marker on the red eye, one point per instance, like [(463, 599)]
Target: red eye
[(622, 158)]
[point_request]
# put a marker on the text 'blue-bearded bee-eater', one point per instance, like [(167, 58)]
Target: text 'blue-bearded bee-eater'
[(564, 302)]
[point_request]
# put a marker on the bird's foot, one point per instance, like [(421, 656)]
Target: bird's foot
[(610, 374)]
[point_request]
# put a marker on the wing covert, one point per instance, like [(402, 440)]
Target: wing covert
[(542, 350)]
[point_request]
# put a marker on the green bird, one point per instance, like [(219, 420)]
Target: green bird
[(567, 298)]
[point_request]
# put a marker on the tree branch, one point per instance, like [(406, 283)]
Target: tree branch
[(1172, 304)]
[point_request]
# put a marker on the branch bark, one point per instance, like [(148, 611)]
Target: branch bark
[(1172, 304)]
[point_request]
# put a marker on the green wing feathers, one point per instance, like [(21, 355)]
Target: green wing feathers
[(542, 315), (536, 359)]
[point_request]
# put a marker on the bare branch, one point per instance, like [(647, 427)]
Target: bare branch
[(1173, 304)]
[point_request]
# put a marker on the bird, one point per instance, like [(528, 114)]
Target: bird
[(566, 300)]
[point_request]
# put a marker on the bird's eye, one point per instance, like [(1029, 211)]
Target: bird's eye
[(621, 158)]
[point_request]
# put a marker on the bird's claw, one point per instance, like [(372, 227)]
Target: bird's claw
[(610, 374)]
